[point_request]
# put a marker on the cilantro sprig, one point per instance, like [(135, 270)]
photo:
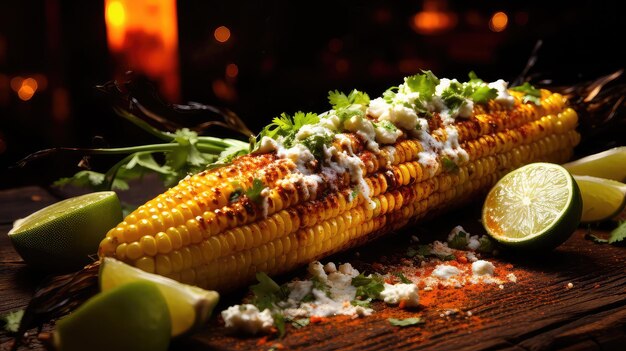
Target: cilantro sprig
[(531, 94)]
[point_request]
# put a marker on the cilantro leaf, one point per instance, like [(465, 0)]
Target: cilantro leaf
[(279, 323), (300, 322), (12, 320), (402, 278), (618, 234), (287, 126), (361, 303), (315, 143), (458, 241), (267, 292), (474, 78), (254, 192), (368, 287), (424, 84), (449, 165), (339, 100), (405, 322), (486, 245), (483, 94), (531, 94), (390, 94), (90, 179)]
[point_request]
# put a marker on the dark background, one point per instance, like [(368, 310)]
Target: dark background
[(289, 54)]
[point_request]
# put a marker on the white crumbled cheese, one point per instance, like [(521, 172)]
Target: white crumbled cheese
[(299, 289), (473, 243), (511, 277), (503, 96), (364, 128), (482, 267), (316, 270), (394, 294), (330, 268), (444, 271), (441, 249), (466, 109), (387, 133), (247, 318), (471, 256)]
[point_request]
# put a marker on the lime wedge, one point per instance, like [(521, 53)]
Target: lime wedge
[(62, 236), (602, 198), (609, 164), (537, 206), (189, 306), (133, 317)]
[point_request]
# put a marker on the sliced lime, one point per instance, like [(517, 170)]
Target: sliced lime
[(62, 236), (609, 164), (133, 316), (602, 198), (536, 206), (189, 306)]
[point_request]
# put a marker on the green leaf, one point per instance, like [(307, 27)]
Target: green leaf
[(411, 252), (449, 165), (90, 179), (254, 192), (362, 303), (483, 94), (300, 322), (279, 323), (12, 321), (315, 143), (267, 292), (233, 151), (390, 94), (618, 234), (402, 278), (486, 245), (531, 94), (339, 100), (405, 322), (596, 239), (424, 84), (368, 287), (459, 241), (474, 78)]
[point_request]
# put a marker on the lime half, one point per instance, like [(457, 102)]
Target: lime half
[(609, 164), (537, 206), (602, 198), (189, 306), (62, 236), (133, 317)]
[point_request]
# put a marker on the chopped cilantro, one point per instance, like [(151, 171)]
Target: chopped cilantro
[(287, 126), (237, 192), (12, 320), (486, 245), (315, 143), (339, 100), (267, 292), (618, 234), (531, 94), (386, 125), (424, 84), (254, 193), (483, 94), (458, 241), (474, 78), (368, 287), (449, 165), (361, 303), (390, 94), (300, 322), (279, 323), (402, 278), (354, 193), (424, 250), (405, 322)]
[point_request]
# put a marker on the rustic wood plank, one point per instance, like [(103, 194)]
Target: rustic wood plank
[(537, 313)]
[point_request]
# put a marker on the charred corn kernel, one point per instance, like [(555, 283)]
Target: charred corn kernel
[(194, 233)]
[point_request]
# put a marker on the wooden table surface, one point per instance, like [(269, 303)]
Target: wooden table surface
[(538, 312)]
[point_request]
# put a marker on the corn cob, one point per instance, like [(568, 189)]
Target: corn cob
[(199, 233)]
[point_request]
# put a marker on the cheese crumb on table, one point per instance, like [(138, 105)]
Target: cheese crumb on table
[(247, 318)]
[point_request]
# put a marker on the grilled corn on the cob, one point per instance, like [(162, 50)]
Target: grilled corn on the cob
[(380, 169)]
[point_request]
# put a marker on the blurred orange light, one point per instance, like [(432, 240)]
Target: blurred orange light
[(434, 18), (223, 90), (232, 70), (16, 83), (143, 37), (31, 83), (25, 92), (498, 21), (222, 34)]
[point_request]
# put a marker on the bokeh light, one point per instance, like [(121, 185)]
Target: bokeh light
[(498, 21), (222, 34)]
